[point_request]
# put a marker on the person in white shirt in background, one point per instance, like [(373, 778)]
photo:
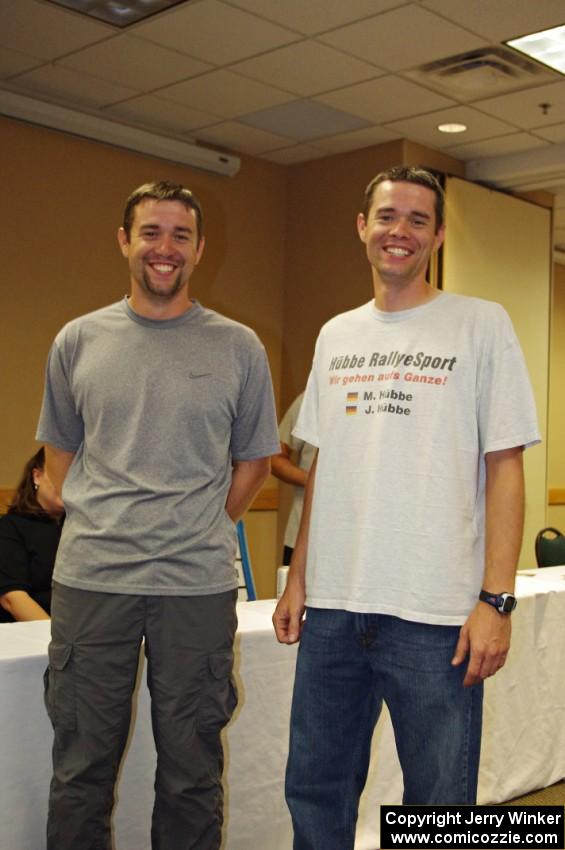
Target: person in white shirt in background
[(291, 465)]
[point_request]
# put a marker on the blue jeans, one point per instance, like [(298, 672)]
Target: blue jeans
[(347, 665)]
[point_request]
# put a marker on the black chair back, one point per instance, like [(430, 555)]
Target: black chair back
[(550, 548)]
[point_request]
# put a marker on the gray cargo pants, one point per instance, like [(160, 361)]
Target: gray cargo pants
[(93, 661)]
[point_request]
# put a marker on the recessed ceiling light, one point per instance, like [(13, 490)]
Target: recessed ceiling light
[(120, 14), (547, 46), (452, 128)]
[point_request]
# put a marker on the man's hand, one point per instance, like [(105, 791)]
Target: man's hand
[(485, 637), (289, 613)]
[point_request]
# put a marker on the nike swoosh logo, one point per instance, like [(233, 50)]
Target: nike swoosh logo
[(199, 374)]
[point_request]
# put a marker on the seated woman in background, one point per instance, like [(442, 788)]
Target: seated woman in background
[(29, 536)]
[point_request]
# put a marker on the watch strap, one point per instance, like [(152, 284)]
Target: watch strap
[(503, 602)]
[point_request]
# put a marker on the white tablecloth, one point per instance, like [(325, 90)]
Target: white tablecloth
[(523, 743)]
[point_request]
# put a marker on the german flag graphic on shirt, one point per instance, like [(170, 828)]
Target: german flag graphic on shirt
[(350, 408)]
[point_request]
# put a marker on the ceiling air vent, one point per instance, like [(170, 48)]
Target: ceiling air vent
[(481, 73)]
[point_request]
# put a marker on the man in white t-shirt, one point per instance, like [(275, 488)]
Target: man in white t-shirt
[(420, 406), (292, 465)]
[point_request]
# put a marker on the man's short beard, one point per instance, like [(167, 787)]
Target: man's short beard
[(148, 286)]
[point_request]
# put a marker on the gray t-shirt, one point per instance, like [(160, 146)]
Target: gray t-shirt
[(156, 412)]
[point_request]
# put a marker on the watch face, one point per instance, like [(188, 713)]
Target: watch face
[(508, 604)]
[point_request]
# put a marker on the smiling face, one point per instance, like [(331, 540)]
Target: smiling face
[(162, 251), (400, 234)]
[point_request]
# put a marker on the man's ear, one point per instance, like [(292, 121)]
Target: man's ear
[(123, 242), (440, 236), (361, 227), (200, 250)]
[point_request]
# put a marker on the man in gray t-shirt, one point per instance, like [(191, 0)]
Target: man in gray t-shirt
[(158, 416)]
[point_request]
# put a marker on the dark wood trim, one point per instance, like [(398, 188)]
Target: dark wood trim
[(266, 500)]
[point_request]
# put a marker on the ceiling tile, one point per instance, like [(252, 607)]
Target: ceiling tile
[(513, 143), (327, 68), (304, 120), (403, 38), (314, 16), (161, 74), (224, 94), (523, 108), (64, 85), (424, 127), (214, 32), (385, 99), (134, 62), (555, 133), (356, 140), (47, 31), (156, 113), (294, 154), (241, 138), (13, 62), (503, 19)]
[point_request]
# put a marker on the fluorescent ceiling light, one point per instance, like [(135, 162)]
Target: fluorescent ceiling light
[(547, 47), (120, 13), (452, 128), (119, 135)]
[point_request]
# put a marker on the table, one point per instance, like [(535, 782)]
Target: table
[(523, 744)]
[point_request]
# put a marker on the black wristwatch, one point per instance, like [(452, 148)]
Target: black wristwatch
[(503, 602)]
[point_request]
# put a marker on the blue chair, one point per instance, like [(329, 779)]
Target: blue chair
[(243, 566), (550, 548)]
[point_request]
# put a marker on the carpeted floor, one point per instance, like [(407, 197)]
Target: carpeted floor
[(552, 796)]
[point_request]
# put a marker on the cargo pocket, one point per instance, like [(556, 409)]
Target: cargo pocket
[(219, 697), (60, 698)]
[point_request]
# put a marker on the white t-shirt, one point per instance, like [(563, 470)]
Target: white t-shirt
[(403, 406), (304, 456)]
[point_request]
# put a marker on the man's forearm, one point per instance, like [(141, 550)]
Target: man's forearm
[(248, 476), (485, 636), (298, 561), (289, 613), (504, 521), (284, 469)]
